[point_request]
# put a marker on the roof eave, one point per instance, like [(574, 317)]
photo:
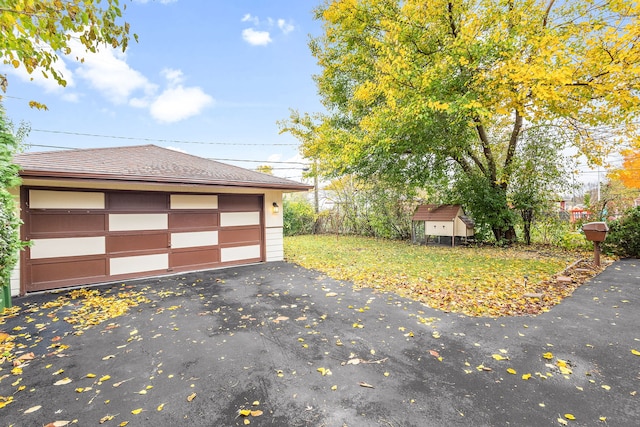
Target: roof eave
[(25, 173)]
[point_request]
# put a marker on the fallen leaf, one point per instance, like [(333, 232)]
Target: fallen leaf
[(331, 294), (606, 387), (136, 411), (191, 397), (105, 378), (434, 353), (58, 424), (569, 416), (511, 371), (363, 384), (106, 418), (32, 409), (256, 413), (499, 357), (562, 422), (636, 352), (63, 381), (244, 412), (548, 355), (526, 376), (160, 407)]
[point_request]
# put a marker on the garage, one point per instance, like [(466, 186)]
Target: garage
[(103, 215)]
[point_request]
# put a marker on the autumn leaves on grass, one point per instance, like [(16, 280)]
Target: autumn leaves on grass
[(477, 281)]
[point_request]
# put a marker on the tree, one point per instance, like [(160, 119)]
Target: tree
[(629, 174), (539, 156), (268, 169), (10, 243), (416, 91), (33, 33)]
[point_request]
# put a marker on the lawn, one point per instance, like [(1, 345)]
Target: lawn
[(478, 281)]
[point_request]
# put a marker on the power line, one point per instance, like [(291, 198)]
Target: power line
[(174, 141)]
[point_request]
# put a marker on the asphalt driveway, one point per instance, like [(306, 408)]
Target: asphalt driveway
[(278, 345)]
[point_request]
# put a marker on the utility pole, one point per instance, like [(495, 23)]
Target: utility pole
[(315, 186)]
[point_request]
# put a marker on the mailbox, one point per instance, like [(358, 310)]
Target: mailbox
[(595, 231)]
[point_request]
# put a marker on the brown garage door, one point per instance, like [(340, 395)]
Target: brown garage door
[(86, 237)]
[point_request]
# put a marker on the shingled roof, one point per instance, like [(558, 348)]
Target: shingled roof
[(145, 163), (436, 212)]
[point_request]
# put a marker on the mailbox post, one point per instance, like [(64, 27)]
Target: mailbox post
[(596, 232)]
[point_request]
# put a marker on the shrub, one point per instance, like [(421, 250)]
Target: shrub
[(298, 216), (574, 240), (623, 238)]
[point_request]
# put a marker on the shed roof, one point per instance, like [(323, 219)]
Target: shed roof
[(145, 163), (436, 212)]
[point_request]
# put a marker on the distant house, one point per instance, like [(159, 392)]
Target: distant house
[(441, 221), (110, 214)]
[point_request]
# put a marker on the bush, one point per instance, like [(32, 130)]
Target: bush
[(298, 216), (574, 240), (623, 238)]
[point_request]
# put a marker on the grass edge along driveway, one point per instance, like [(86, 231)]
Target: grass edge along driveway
[(477, 281)]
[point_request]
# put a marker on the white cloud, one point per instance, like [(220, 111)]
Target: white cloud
[(285, 26), (256, 38), (177, 102), (180, 150), (274, 158), (108, 72), (249, 18)]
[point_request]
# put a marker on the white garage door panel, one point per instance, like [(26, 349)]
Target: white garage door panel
[(194, 239), (234, 219), (129, 222), (48, 199), (67, 246), (194, 201), (138, 264), (240, 253)]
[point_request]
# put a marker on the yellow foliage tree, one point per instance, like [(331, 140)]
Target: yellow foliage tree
[(416, 90)]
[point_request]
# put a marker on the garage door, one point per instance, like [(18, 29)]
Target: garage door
[(87, 237)]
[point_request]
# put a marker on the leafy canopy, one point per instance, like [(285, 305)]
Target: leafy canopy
[(33, 33), (416, 91)]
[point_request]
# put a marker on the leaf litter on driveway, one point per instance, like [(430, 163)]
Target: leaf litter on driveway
[(204, 346)]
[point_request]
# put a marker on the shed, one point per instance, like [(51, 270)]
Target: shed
[(109, 214), (441, 221)]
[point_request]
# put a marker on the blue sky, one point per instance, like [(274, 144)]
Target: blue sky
[(215, 74)]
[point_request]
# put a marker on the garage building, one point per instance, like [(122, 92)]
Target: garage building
[(109, 214)]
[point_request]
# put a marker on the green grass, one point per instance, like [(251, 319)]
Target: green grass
[(485, 281)]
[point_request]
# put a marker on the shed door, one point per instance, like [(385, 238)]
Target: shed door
[(88, 237)]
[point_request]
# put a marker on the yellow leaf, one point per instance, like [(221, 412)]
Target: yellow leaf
[(191, 397), (79, 390), (136, 411), (603, 419), (606, 387), (334, 387), (256, 403), (386, 374), (124, 423), (106, 418), (569, 416), (63, 381), (511, 371), (160, 407), (105, 378), (91, 375), (526, 376), (246, 421), (548, 355), (636, 352), (256, 413), (244, 412), (562, 422), (498, 357)]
